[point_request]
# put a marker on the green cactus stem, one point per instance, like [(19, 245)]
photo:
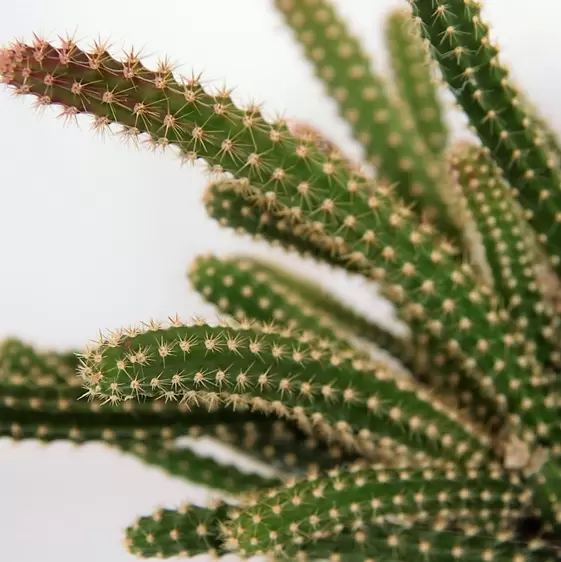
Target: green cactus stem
[(187, 531), (415, 79), (470, 64), (388, 134), (306, 510), (509, 249), (281, 374)]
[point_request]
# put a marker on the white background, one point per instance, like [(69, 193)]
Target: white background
[(96, 235)]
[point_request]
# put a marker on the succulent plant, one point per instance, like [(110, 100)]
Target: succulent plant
[(447, 445)]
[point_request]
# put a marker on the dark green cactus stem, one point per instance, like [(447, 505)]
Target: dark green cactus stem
[(387, 132), (320, 507), (246, 288), (187, 531), (470, 64), (27, 416), (509, 248), (279, 443), (227, 202), (281, 374), (206, 471), (414, 76)]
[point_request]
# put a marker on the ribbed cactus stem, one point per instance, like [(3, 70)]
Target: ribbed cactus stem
[(282, 374), (470, 63), (415, 78), (510, 249), (319, 507)]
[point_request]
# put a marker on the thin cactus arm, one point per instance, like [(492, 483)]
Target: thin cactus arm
[(414, 76), (233, 206), (148, 432), (470, 63), (280, 373), (364, 98), (511, 252), (246, 288), (279, 520)]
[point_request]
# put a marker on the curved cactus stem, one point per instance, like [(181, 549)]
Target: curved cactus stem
[(28, 415), (247, 288), (228, 203), (510, 249), (279, 373), (312, 509), (470, 64), (414, 75)]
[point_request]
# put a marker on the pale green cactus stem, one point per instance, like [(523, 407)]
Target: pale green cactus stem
[(377, 227), (414, 75), (285, 375), (510, 250), (470, 64), (388, 134)]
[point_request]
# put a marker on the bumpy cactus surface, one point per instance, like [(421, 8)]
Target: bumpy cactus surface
[(445, 446)]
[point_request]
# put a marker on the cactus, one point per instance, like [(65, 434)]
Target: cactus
[(447, 444)]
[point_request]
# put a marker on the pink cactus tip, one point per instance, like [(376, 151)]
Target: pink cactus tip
[(4, 61)]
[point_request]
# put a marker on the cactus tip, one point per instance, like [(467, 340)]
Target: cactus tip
[(4, 61)]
